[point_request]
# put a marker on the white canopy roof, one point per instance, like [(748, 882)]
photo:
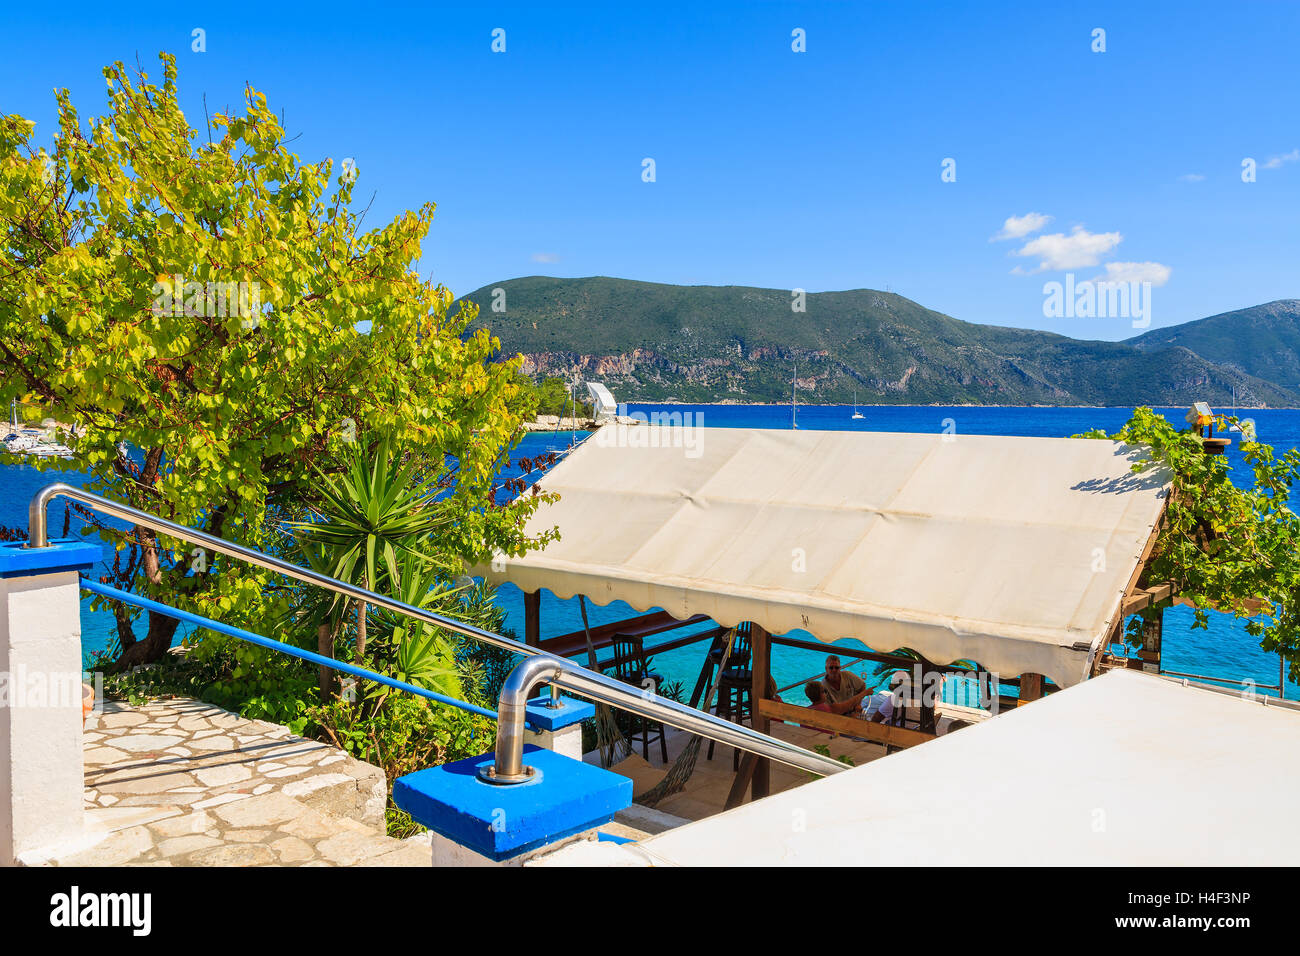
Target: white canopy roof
[(1013, 552), (602, 400), (1127, 769)]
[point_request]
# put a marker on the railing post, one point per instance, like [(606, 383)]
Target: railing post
[(42, 787), (555, 723), (477, 823)]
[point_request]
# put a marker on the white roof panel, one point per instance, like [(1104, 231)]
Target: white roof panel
[(1125, 769)]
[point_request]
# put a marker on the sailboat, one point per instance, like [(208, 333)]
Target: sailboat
[(856, 413), (1246, 427), (794, 398)]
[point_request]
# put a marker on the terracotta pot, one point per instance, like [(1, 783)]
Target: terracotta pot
[(87, 702)]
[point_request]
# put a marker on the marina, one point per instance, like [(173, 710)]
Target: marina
[(38, 442)]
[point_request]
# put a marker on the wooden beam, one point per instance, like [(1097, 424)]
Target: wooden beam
[(603, 635), (674, 644), (840, 650), (1253, 605), (1142, 598), (760, 670), (838, 723), (533, 618), (736, 796)]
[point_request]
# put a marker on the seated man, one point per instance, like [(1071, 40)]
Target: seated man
[(879, 708), (816, 694), (840, 685)]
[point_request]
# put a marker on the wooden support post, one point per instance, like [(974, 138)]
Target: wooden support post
[(532, 618), (926, 719), (736, 796), (761, 672), (1031, 687), (1152, 634)]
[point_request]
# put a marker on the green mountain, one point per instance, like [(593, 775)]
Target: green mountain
[(1263, 341), (648, 342)]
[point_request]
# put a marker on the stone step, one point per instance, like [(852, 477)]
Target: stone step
[(178, 782), (188, 753), (269, 829)]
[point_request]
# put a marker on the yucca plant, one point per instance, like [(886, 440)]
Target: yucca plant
[(423, 654), (377, 509)]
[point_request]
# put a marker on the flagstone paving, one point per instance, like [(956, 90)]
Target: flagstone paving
[(179, 782)]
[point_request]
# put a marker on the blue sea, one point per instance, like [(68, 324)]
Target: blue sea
[(1224, 650)]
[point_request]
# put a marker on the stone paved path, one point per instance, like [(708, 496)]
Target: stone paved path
[(182, 783)]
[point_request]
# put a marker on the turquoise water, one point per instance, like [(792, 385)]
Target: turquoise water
[(1224, 650)]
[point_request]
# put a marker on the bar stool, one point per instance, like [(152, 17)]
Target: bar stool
[(735, 703), (740, 652)]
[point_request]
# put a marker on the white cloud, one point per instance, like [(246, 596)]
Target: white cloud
[(1017, 227), (545, 257), (1277, 161), (1080, 248), (1191, 178), (1153, 272)]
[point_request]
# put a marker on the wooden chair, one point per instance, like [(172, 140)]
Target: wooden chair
[(632, 667), (741, 647)]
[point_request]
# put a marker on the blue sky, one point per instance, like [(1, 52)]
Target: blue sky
[(819, 170)]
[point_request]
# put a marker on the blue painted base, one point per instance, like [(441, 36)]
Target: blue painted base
[(542, 716), (63, 554), (500, 821)]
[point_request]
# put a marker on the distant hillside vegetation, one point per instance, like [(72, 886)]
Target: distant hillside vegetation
[(651, 342), (1263, 340)]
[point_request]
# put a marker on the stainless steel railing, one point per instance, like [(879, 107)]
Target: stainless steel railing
[(542, 668)]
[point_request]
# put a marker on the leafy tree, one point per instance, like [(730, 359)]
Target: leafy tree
[(1228, 548), (192, 301), (551, 396)]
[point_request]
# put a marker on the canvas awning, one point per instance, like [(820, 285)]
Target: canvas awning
[(1125, 770), (1012, 552)]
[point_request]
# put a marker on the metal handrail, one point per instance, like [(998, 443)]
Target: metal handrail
[(562, 672), (1279, 687), (188, 617)]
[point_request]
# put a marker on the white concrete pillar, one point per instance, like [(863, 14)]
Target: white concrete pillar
[(450, 853), (41, 776), (566, 740)]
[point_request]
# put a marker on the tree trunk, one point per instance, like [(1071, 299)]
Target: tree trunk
[(325, 645), (156, 643), (361, 633)]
